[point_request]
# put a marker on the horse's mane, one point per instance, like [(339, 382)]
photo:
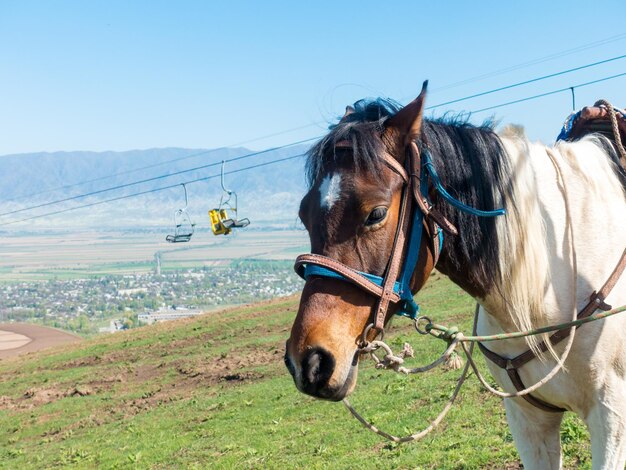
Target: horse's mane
[(474, 167), (609, 146)]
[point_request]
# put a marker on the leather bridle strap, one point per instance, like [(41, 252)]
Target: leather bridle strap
[(415, 166), (395, 261), (358, 278)]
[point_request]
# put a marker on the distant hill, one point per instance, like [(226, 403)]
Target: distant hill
[(269, 195)]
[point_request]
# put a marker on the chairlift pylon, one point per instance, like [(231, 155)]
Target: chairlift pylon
[(183, 226), (224, 217)]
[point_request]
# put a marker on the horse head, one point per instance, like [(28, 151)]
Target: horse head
[(352, 212)]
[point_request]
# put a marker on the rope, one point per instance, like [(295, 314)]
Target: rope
[(418, 435), (618, 138), (391, 361), (521, 334), (394, 362)]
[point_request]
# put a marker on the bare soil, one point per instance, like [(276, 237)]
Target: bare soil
[(41, 337)]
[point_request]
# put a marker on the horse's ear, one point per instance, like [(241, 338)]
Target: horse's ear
[(406, 125), (349, 111)]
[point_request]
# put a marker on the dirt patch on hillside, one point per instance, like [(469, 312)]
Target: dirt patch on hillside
[(231, 367), (234, 368), (34, 397)]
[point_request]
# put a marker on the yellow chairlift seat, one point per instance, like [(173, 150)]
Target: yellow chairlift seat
[(217, 217)]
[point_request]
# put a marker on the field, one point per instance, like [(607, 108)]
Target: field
[(21, 338), (213, 392), (82, 254)]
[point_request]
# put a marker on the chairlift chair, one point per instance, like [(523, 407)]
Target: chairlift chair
[(224, 217), (183, 226)]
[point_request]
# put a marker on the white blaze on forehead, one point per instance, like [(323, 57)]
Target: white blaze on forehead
[(330, 189)]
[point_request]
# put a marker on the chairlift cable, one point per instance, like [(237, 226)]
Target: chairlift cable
[(581, 85), (526, 82), (273, 148), (186, 157), (141, 193), (553, 92), (540, 60), (292, 144), (154, 178)]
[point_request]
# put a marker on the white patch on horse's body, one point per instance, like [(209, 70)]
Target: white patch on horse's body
[(330, 190), (539, 282)]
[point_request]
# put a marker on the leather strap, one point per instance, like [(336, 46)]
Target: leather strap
[(430, 212), (596, 302), (354, 276), (395, 262), (516, 380), (397, 167)]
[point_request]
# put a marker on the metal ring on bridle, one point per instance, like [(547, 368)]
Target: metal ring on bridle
[(427, 321), (364, 342)]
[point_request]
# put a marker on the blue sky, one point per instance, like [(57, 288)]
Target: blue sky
[(121, 75)]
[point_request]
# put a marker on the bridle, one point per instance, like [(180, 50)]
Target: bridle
[(395, 286)]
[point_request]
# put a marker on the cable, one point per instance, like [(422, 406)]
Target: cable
[(80, 196), (526, 82), (163, 188), (303, 127), (541, 95), (540, 60), (267, 163), (67, 186), (154, 178)]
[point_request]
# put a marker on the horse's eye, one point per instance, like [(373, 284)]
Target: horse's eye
[(376, 216)]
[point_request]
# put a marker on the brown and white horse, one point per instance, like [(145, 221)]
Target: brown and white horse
[(519, 267)]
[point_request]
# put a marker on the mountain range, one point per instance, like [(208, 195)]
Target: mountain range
[(268, 195)]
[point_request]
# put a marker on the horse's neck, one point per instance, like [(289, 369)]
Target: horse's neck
[(593, 201), (539, 275)]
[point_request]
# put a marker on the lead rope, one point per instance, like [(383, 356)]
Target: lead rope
[(395, 362), (419, 435)]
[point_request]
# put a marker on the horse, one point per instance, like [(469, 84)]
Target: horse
[(561, 236)]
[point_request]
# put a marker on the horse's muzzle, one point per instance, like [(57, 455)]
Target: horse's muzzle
[(312, 376)]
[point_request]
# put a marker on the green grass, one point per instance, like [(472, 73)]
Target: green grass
[(158, 397)]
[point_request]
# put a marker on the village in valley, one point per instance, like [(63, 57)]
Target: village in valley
[(112, 302)]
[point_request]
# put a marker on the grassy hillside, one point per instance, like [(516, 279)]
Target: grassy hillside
[(213, 392)]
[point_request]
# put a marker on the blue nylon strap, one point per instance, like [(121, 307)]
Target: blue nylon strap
[(428, 164), (408, 307), (315, 270)]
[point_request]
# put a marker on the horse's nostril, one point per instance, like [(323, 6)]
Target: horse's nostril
[(317, 368)]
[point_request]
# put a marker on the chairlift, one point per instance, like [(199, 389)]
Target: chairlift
[(183, 226), (224, 217)]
